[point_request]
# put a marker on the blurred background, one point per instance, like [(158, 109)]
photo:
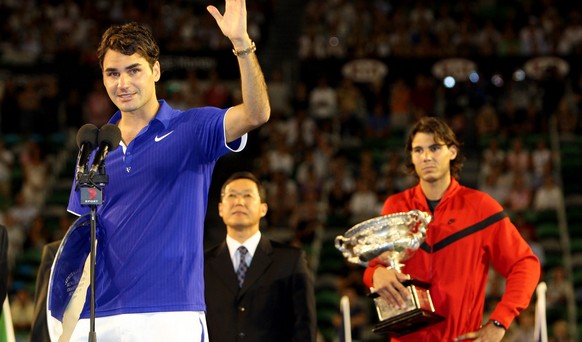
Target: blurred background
[(346, 79)]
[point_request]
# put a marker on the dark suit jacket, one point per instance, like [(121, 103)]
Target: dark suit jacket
[(39, 329), (3, 265), (276, 302)]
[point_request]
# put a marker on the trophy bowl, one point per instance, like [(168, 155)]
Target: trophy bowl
[(393, 238)]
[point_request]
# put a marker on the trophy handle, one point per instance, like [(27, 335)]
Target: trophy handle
[(340, 243), (424, 219), (394, 264)]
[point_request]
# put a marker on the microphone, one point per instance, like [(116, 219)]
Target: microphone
[(87, 141), (109, 138)]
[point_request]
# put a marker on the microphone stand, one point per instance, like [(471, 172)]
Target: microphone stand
[(91, 191)]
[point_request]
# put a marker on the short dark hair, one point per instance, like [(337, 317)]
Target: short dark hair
[(128, 39), (443, 134), (246, 175)]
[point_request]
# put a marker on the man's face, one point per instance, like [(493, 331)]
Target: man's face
[(129, 80), (240, 206), (431, 159)]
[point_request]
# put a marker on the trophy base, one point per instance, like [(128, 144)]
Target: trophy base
[(406, 323), (417, 314)]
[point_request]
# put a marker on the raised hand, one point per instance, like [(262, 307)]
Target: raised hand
[(233, 23)]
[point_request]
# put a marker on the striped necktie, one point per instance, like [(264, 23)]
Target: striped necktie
[(242, 266)]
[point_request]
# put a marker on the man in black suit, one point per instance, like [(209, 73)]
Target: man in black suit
[(276, 300)]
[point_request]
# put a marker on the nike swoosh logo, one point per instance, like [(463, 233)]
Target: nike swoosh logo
[(157, 139)]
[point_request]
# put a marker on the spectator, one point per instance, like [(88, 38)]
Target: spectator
[(571, 36), (338, 200), (23, 212), (560, 291), (422, 94), (561, 332), (533, 39), (311, 43), (308, 171), (9, 121), (279, 94), (549, 196), (22, 309), (519, 197), (300, 97), (493, 186), (509, 44), (72, 107), (528, 232), (518, 157), (487, 121), (378, 125), (341, 171), (29, 107), (217, 93), (350, 98), (488, 39), (6, 167), (50, 118), (283, 195), (37, 235), (493, 157), (392, 167), (97, 107), (524, 330), (309, 212), (194, 90), (364, 202), (16, 238), (35, 170), (400, 105), (280, 158), (323, 102), (541, 157), (300, 129)]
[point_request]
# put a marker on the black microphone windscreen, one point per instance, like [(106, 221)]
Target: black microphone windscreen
[(110, 135), (87, 134)]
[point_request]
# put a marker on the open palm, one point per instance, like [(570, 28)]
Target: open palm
[(233, 23)]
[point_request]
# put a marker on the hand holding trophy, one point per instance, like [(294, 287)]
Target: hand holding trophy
[(393, 238)]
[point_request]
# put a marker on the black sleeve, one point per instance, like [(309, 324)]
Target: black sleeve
[(304, 302), (39, 328), (3, 264)]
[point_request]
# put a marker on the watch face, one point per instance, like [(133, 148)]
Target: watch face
[(498, 324)]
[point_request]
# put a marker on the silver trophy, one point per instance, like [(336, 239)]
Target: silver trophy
[(393, 238)]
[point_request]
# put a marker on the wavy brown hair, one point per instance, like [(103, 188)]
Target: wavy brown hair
[(129, 39), (442, 134)]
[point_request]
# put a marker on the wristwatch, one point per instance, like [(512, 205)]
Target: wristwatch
[(498, 324)]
